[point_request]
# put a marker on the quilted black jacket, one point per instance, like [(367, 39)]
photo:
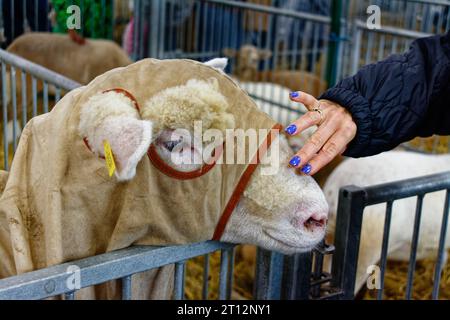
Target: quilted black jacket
[(400, 98)]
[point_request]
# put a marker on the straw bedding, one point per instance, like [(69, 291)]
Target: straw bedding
[(395, 281)]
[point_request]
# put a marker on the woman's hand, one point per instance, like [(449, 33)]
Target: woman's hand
[(336, 129)]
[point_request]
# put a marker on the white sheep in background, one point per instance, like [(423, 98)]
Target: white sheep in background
[(246, 69), (383, 168), (62, 54)]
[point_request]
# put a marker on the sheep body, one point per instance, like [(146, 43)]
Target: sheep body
[(59, 53), (383, 168)]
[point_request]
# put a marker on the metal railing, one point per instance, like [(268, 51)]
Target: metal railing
[(121, 264), (295, 44), (26, 89), (277, 276), (352, 202)]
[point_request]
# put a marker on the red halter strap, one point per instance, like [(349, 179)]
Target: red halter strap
[(242, 184)]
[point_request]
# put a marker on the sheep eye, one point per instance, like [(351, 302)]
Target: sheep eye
[(170, 145)]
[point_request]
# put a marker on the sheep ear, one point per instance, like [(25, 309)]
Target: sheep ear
[(129, 140), (218, 63), (264, 54), (111, 117), (229, 52)]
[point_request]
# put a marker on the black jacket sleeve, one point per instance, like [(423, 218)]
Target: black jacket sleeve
[(400, 98)]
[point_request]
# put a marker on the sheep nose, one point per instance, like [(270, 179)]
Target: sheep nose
[(313, 222)]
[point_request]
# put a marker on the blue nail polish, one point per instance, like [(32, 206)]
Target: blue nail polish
[(295, 161), (291, 129), (307, 169), (295, 94)]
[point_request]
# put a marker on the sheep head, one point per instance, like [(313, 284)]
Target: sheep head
[(247, 58), (279, 210)]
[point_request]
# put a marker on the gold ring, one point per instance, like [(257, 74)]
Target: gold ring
[(320, 111), (317, 106)]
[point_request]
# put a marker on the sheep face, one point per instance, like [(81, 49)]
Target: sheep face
[(280, 211)]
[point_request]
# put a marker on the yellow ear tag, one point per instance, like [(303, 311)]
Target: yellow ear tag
[(109, 157)]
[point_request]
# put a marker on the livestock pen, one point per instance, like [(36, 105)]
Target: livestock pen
[(301, 41)]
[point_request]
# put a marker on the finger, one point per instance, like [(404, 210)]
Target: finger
[(334, 147), (314, 144), (308, 100), (309, 119)]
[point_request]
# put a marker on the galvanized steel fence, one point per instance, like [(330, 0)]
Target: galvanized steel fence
[(352, 202), (290, 47), (298, 42), (28, 89)]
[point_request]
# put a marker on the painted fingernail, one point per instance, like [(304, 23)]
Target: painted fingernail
[(295, 94), (291, 129), (295, 161), (307, 169)]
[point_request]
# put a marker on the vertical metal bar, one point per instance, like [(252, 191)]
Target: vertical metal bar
[(370, 39), (136, 20), (297, 277), (13, 27), (347, 238), (198, 12), (170, 33), (230, 278), (24, 98), (5, 116), (441, 248), (57, 94), (162, 27), (36, 14), (224, 263), (317, 273), (357, 50), (25, 24), (155, 11), (205, 25), (205, 277), (69, 296), (413, 254), (126, 288), (14, 106), (45, 93), (381, 47), (269, 272), (212, 31), (34, 94), (335, 35), (384, 247), (179, 280)]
